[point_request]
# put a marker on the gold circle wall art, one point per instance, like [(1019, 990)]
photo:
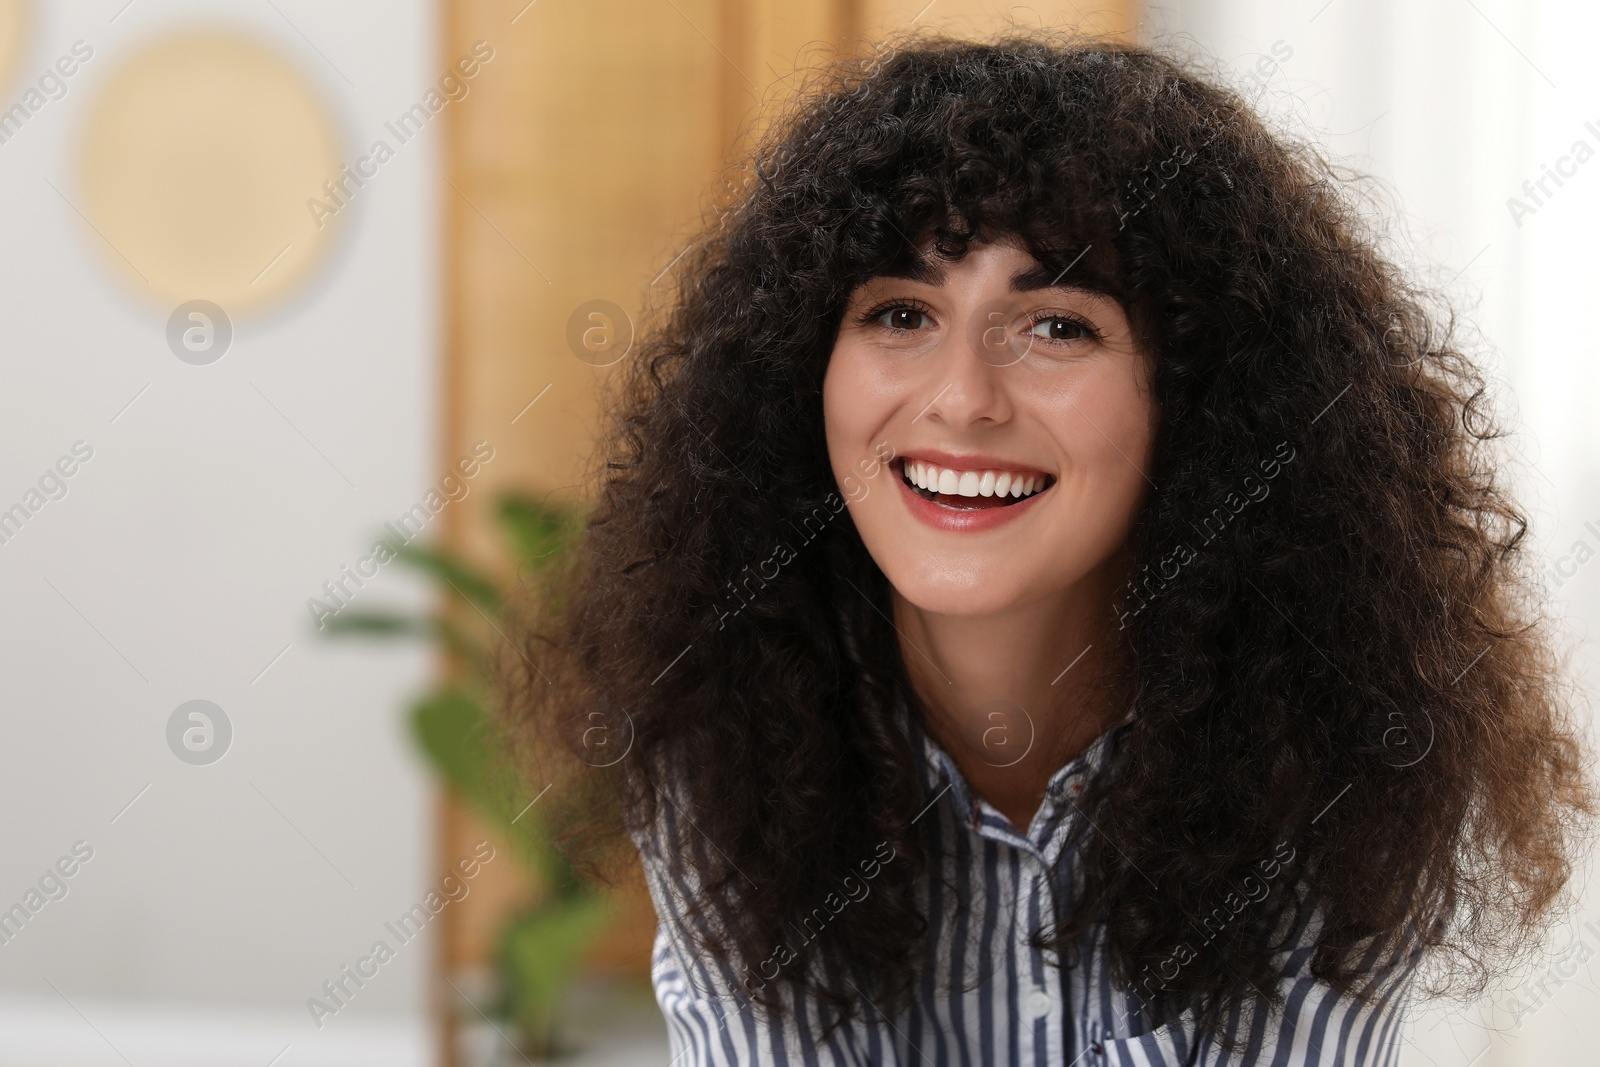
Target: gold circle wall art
[(198, 158), (13, 28)]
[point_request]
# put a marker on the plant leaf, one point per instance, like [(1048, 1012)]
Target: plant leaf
[(454, 728), (539, 533), (540, 952), (378, 623), (454, 572), (385, 625)]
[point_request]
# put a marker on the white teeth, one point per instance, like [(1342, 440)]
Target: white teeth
[(950, 482)]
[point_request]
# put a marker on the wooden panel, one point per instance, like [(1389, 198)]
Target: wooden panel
[(980, 18), (766, 43), (579, 161)]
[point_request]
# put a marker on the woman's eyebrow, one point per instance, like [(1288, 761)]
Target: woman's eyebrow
[(1041, 277), (917, 268), (929, 272)]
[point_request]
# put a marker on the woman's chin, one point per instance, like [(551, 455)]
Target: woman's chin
[(969, 596)]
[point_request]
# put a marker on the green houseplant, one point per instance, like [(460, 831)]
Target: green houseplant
[(541, 947)]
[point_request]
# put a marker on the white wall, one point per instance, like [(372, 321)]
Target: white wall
[(1451, 105), (178, 567)]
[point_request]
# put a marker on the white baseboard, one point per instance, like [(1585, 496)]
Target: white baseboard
[(114, 1033)]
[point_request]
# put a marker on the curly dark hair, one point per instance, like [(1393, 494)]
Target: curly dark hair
[(1357, 666)]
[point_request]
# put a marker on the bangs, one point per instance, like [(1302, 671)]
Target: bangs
[(1068, 258)]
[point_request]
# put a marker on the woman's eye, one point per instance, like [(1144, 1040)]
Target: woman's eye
[(1060, 328), (902, 318)]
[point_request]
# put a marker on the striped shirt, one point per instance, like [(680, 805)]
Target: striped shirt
[(987, 995)]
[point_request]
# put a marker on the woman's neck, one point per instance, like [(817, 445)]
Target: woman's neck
[(1012, 696)]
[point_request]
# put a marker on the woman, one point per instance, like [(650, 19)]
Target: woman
[(1053, 593)]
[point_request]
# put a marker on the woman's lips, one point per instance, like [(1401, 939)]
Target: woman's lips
[(959, 513)]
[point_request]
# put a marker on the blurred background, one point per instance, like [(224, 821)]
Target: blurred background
[(306, 310)]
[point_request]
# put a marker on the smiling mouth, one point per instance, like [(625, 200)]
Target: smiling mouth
[(972, 490)]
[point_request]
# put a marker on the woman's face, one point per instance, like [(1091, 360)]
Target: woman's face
[(984, 380)]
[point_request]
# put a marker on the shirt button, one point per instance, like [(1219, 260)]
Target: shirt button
[(1037, 1003)]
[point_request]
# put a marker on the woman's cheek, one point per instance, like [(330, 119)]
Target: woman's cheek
[(853, 416)]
